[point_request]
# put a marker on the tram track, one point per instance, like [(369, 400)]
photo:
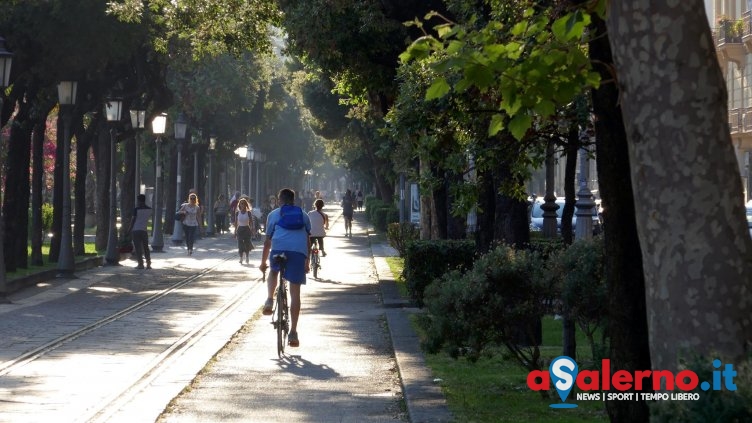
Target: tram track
[(127, 387)]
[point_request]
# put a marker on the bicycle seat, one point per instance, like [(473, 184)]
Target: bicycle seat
[(280, 259)]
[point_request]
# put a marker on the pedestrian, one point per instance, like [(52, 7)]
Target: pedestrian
[(319, 225), (221, 207), (287, 231), (359, 199), (192, 219), (348, 203), (244, 229), (140, 238)]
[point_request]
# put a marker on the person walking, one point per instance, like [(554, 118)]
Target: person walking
[(319, 225), (191, 221), (234, 206), (347, 211), (359, 198), (244, 229), (287, 231), (221, 207), (139, 235)]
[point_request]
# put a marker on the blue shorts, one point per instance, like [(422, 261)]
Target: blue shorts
[(295, 268)]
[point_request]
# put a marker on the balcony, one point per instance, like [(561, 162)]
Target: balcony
[(728, 40)]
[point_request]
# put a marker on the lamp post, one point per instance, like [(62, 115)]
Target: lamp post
[(138, 118), (158, 125), (66, 92), (242, 152), (210, 190), (180, 127), (585, 203), (6, 59), (249, 155), (113, 110), (259, 158)]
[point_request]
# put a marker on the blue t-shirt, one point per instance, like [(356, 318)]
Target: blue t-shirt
[(287, 239)]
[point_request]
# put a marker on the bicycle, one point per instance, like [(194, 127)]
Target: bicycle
[(315, 259), (281, 310)]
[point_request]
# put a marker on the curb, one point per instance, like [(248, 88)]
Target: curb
[(424, 399)]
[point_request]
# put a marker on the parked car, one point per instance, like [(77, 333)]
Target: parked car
[(536, 216)]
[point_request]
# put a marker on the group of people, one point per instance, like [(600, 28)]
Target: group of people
[(289, 230)]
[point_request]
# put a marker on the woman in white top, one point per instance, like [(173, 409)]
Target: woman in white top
[(243, 229), (319, 225), (192, 212)]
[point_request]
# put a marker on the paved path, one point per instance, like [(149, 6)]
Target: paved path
[(358, 360)]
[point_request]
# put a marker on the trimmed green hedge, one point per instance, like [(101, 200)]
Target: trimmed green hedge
[(428, 260)]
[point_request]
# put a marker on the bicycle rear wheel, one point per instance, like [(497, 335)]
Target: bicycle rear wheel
[(282, 322), (315, 264)]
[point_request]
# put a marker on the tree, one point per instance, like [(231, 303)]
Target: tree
[(697, 255)]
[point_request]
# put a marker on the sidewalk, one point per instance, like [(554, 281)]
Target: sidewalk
[(359, 359)]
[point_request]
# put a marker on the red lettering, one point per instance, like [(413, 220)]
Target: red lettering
[(534, 377), (606, 374), (591, 376), (622, 380), (639, 375), (687, 386), (667, 376)]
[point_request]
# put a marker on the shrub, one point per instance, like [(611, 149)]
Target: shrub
[(381, 217), (47, 213), (400, 234), (500, 301), (427, 260)]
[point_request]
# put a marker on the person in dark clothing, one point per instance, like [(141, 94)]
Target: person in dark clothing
[(139, 222)]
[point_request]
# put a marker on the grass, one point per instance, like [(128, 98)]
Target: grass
[(19, 272), (494, 389)]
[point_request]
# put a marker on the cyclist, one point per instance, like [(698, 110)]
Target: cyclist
[(347, 211), (319, 225), (287, 231)]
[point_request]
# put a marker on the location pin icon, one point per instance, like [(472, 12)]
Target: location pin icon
[(563, 371)]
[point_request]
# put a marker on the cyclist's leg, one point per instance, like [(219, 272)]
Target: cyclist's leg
[(271, 283), (294, 305)]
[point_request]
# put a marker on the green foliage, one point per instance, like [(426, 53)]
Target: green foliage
[(47, 211), (428, 260), (579, 269), (534, 63), (401, 234), (500, 301), (712, 406)]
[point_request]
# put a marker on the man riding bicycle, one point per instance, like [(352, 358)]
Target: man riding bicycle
[(287, 231)]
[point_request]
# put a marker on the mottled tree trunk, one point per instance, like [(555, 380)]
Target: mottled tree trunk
[(101, 149), (37, 178), (697, 254), (627, 322), (83, 142), (16, 199)]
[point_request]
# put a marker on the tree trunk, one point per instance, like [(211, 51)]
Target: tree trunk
[(484, 233), (37, 178), (128, 187), (690, 217), (570, 170), (101, 148), (83, 142), (57, 191), (627, 321), (16, 201)]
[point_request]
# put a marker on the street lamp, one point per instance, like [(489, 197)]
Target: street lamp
[(585, 203), (242, 152), (158, 125), (210, 190), (138, 118), (113, 110), (6, 58), (258, 158), (180, 127), (250, 154), (66, 92)]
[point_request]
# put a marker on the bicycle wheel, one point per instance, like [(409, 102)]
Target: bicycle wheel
[(315, 263), (282, 323)]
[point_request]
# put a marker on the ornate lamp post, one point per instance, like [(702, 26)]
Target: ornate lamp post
[(66, 92), (258, 158), (6, 59), (249, 154), (180, 127), (138, 118), (158, 125), (242, 152), (210, 188), (113, 110), (585, 203)]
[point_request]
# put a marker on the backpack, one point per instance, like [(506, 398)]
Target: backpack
[(291, 217)]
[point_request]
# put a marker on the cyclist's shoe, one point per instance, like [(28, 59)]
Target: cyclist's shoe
[(268, 307), (292, 339), (323, 254)]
